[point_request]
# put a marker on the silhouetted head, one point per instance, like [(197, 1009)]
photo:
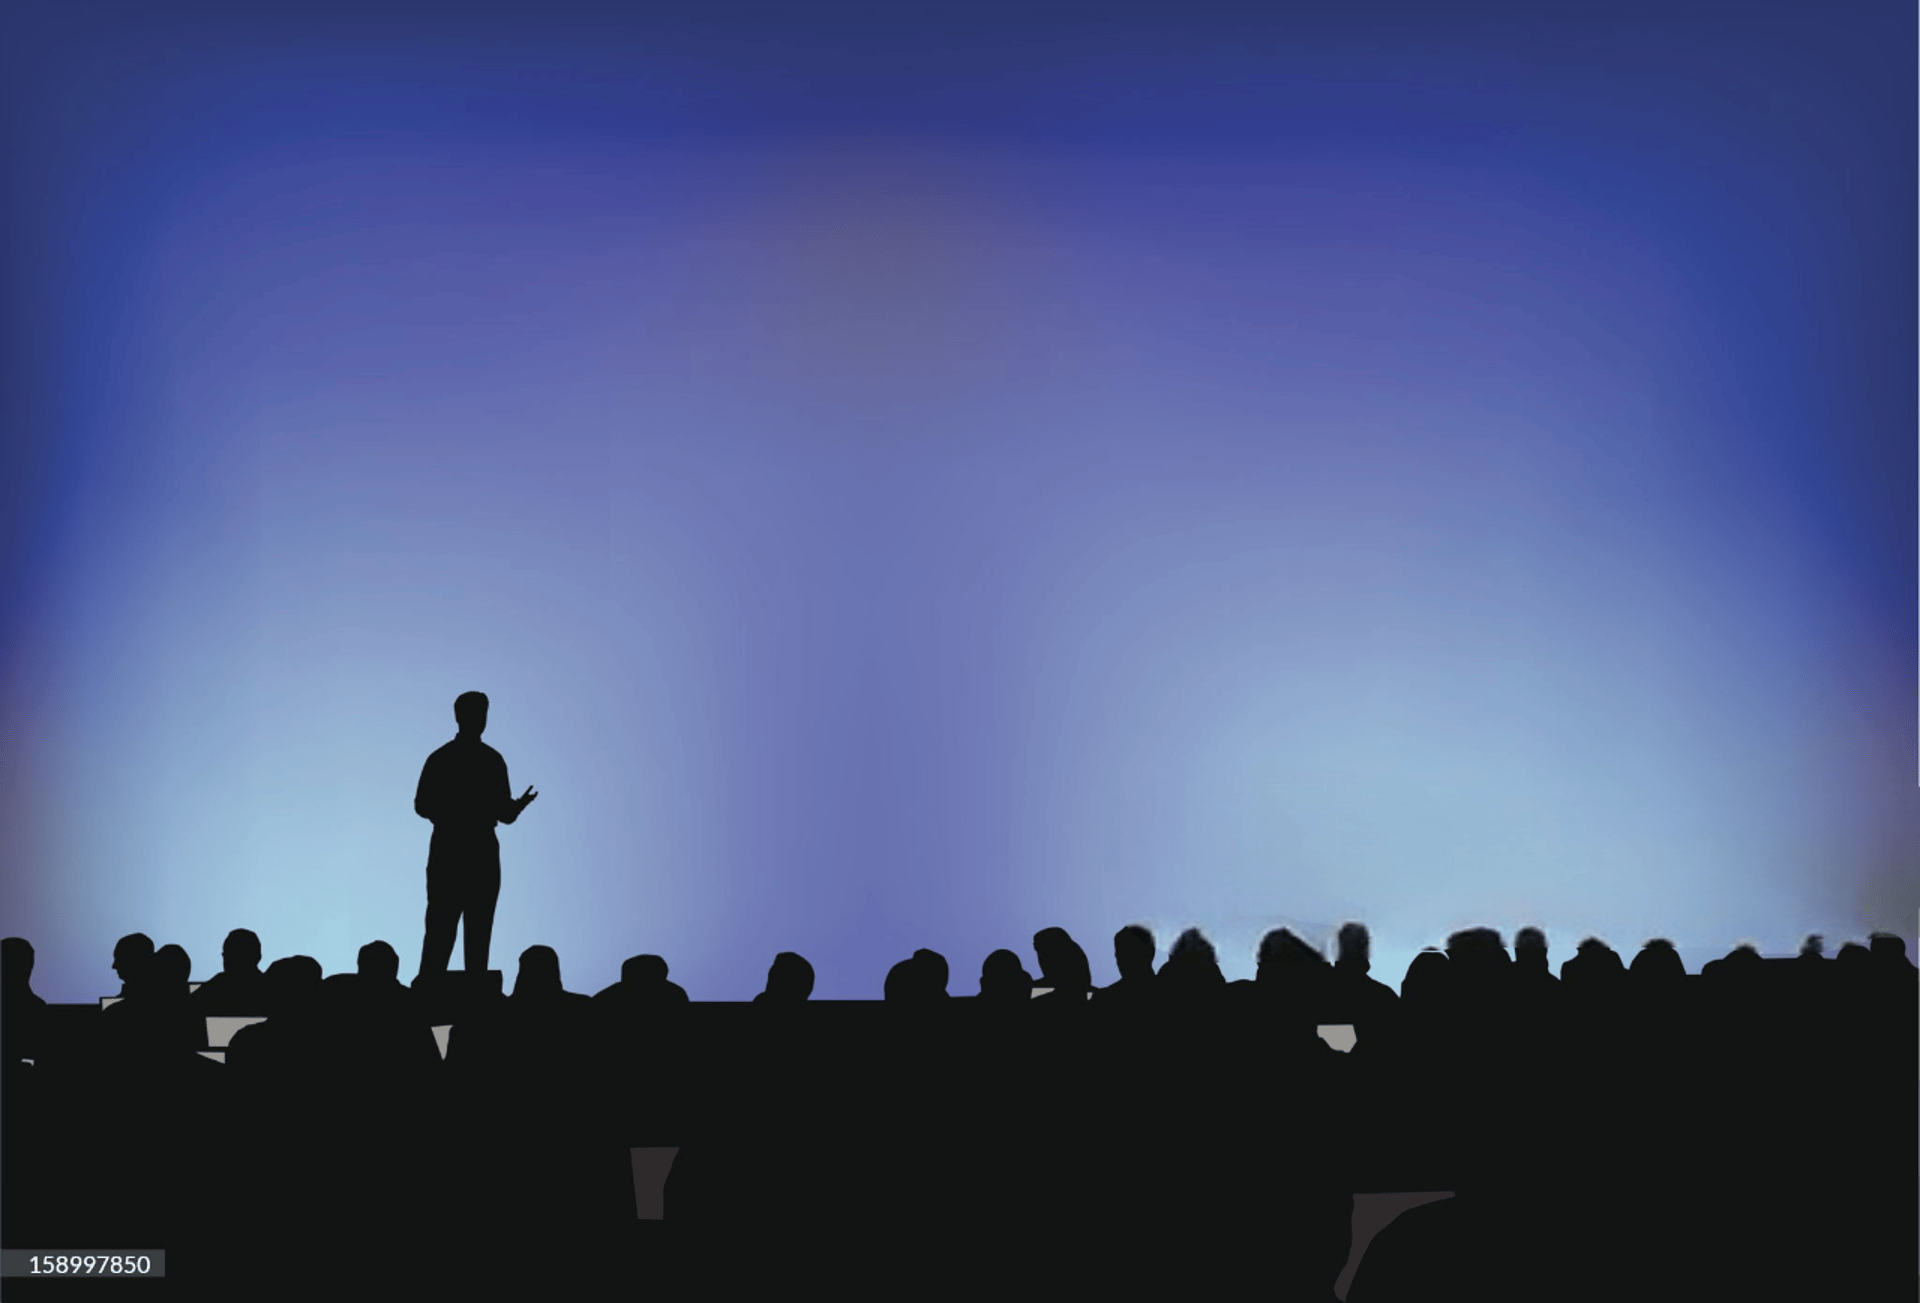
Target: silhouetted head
[(379, 963), (1002, 977), (1281, 952), (1530, 949), (790, 978), (470, 713), (131, 956), (1476, 951), (903, 983), (1063, 964), (1192, 954), (172, 970), (339, 992), (1428, 979), (1594, 965), (240, 953), (1889, 950), (1854, 957), (643, 971), (1657, 961), (1133, 951), (16, 963), (293, 984), (1192, 970), (539, 972), (1813, 947), (933, 971), (1355, 947)]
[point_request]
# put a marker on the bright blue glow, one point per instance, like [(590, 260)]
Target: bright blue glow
[(1050, 483)]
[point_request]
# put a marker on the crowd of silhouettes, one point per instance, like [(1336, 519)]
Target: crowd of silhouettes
[(1663, 1133)]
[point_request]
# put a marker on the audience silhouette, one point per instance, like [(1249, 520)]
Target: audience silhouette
[(1063, 965), (921, 978), (239, 989), (1133, 951), (643, 985), (1003, 981), (131, 955), (1192, 973), (1174, 1109), (789, 981), (22, 1013)]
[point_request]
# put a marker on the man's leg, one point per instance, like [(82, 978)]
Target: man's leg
[(483, 892), (443, 917)]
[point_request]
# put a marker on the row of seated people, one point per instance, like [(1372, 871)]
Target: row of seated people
[(1192, 971), (512, 1139)]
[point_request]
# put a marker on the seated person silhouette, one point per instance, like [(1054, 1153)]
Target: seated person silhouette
[(1744, 953), (643, 985), (1659, 964), (157, 1024), (379, 973), (393, 1031), (464, 792), (1004, 981), (22, 1013), (1287, 990), (538, 985), (239, 989), (1889, 952), (1353, 997), (904, 984), (1064, 971), (1133, 951), (933, 965), (1530, 960), (789, 981), (1426, 992), (541, 1021), (1289, 966), (1192, 973), (292, 1042), (131, 955), (921, 979), (1595, 967)]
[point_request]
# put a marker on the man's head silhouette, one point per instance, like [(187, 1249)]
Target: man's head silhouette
[(643, 971), (932, 966), (16, 962), (171, 970), (539, 972), (378, 962), (241, 953), (790, 978), (470, 712), (131, 955), (1133, 950)]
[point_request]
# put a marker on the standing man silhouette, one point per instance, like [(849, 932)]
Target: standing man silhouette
[(464, 792)]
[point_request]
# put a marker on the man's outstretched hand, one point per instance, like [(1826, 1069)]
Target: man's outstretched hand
[(526, 798)]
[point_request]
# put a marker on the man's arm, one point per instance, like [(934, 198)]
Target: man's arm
[(510, 808), (424, 797)]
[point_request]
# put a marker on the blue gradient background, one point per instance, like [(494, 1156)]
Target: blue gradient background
[(910, 476)]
